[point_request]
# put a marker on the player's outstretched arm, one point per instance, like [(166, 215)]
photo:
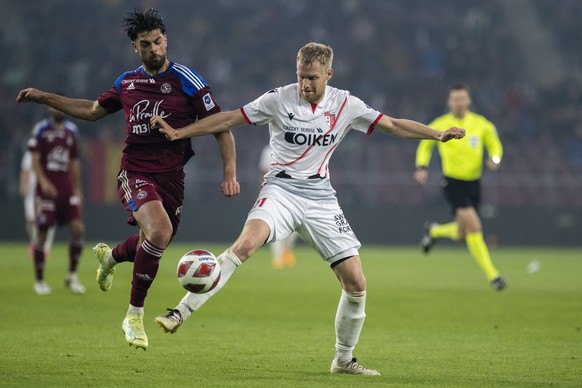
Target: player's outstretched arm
[(79, 108), (409, 129), (229, 186), (219, 122)]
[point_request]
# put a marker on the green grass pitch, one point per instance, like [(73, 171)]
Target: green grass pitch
[(432, 321)]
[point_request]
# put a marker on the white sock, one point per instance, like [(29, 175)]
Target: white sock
[(134, 310), (111, 262), (348, 323), (192, 302), (50, 237)]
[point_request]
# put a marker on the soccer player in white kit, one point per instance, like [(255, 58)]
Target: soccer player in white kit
[(307, 121)]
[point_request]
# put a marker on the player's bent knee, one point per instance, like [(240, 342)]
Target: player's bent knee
[(244, 248), (354, 285), (160, 237), (349, 273)]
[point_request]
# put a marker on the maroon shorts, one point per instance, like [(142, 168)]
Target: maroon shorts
[(137, 188), (61, 210)]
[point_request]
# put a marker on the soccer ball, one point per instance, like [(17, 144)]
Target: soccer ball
[(198, 271)]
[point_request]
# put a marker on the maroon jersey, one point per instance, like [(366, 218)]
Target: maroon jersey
[(57, 148), (179, 95)]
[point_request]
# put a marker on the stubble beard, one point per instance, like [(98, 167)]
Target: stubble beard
[(156, 65)]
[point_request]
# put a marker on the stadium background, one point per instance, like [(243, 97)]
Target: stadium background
[(521, 58)]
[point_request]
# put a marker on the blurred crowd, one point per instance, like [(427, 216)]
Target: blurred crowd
[(398, 56)]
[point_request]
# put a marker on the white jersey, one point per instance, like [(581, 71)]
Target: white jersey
[(303, 136), (265, 159)]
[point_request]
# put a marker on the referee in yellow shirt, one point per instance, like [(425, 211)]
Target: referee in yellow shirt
[(462, 164)]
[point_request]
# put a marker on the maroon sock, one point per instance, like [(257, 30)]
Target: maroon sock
[(145, 268), (126, 250), (39, 259), (75, 249)]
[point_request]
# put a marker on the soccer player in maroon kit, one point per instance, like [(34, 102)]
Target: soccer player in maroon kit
[(151, 179), (55, 161)]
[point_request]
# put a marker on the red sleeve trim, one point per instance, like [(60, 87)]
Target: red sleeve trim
[(371, 128), (245, 116)]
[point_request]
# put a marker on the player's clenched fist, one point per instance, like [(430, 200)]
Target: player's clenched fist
[(230, 188), (452, 133)]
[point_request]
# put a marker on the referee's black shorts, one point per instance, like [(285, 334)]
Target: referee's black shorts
[(461, 193)]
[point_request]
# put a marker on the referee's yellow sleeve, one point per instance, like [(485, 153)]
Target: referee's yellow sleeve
[(424, 152), (492, 143)]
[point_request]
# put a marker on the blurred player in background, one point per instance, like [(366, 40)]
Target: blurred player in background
[(307, 121), (281, 250), (462, 165), (55, 160), (27, 190), (151, 179)]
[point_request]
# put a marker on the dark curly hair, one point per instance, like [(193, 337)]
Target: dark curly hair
[(139, 21)]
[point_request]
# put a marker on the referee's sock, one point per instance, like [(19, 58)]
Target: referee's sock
[(450, 230), (480, 253)]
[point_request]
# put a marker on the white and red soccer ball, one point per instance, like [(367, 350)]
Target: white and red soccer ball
[(198, 271)]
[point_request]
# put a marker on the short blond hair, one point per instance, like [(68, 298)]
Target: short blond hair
[(315, 52)]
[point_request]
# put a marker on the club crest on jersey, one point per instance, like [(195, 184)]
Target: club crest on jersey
[(166, 88), (142, 194), (330, 119)]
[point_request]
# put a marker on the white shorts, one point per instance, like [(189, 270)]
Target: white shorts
[(321, 224)]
